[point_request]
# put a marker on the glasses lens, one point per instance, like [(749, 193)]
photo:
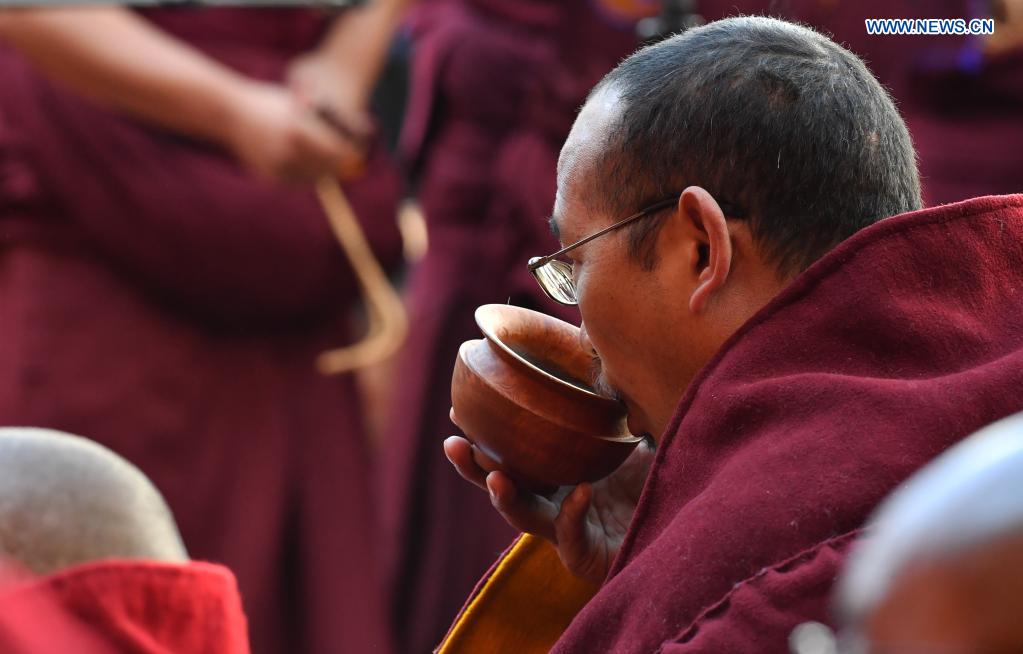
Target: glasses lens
[(556, 280)]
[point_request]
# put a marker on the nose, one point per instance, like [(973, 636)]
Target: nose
[(584, 340)]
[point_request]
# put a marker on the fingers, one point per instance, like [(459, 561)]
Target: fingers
[(327, 150), (459, 452), (571, 520), (355, 126), (279, 135), (570, 528), (524, 511)]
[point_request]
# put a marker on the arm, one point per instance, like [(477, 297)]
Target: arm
[(120, 61), (361, 39), (341, 73)]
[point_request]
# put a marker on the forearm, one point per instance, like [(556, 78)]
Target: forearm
[(116, 58), (361, 37)]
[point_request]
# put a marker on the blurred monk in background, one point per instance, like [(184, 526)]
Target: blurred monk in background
[(165, 294)]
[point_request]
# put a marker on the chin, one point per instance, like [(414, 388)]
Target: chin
[(602, 385)]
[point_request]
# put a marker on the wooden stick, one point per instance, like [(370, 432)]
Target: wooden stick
[(388, 322)]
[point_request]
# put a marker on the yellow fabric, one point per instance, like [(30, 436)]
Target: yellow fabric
[(523, 607)]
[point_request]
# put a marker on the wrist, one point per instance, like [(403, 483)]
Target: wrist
[(341, 67), (360, 40), (229, 110)]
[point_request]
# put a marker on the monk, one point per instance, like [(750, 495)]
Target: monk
[(110, 572), (168, 279), (942, 570), (740, 209)]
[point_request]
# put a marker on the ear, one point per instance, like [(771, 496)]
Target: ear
[(701, 211)]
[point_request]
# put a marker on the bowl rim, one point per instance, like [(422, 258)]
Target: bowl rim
[(489, 308)]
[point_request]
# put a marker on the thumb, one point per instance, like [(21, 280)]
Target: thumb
[(571, 534)]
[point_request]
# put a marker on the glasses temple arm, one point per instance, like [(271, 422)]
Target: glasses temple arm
[(543, 261)]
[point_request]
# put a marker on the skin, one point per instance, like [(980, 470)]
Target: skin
[(65, 500), (272, 129), (957, 602), (652, 331), (1008, 33)]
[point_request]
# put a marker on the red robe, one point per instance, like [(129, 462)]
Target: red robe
[(125, 607), (891, 348), (159, 300), (495, 88)]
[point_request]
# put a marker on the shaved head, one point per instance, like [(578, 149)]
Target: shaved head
[(66, 500), (778, 121)]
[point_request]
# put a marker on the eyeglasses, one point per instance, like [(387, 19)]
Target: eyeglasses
[(555, 277)]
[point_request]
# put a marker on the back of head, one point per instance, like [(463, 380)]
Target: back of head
[(65, 500), (768, 116)]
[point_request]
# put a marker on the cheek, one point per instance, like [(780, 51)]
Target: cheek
[(607, 319), (613, 302)]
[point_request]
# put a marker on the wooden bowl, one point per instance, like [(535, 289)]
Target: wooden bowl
[(521, 397)]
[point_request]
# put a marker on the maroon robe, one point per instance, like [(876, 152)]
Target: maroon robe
[(161, 301), (891, 348), (495, 88)]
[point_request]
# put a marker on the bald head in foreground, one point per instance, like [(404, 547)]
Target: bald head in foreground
[(944, 570), (112, 573), (66, 500)]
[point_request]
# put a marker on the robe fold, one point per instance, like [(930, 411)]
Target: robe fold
[(495, 85), (158, 299), (901, 341), (128, 607)]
